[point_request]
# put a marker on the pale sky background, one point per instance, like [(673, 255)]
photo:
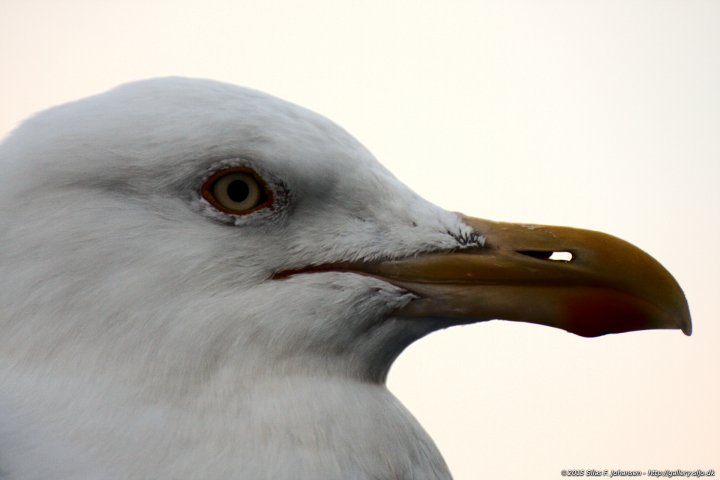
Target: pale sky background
[(594, 114)]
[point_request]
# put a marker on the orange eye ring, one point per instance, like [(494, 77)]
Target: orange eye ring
[(236, 191)]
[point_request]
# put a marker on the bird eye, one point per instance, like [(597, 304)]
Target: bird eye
[(238, 191)]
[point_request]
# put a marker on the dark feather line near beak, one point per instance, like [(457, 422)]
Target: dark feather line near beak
[(601, 285)]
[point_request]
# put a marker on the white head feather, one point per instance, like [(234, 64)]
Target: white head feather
[(142, 334)]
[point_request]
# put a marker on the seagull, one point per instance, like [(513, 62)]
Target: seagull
[(200, 280)]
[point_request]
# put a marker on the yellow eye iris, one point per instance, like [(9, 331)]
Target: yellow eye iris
[(237, 190)]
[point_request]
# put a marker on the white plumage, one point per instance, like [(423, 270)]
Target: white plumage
[(141, 334), (148, 334)]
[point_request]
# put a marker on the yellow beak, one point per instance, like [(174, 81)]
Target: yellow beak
[(608, 286)]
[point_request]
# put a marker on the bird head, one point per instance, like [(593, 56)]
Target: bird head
[(192, 225)]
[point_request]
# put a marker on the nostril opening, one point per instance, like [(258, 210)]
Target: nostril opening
[(536, 254), (559, 256)]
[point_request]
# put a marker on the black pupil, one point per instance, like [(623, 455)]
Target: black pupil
[(238, 190)]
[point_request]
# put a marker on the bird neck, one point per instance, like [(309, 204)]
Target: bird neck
[(295, 426)]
